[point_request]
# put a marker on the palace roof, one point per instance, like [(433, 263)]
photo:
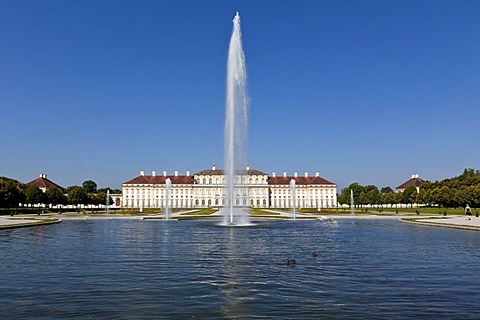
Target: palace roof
[(213, 172), (298, 180), (142, 179), (43, 183), (414, 181), (189, 179)]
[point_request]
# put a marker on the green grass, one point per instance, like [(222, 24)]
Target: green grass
[(200, 212), (197, 217), (203, 213), (325, 211), (420, 219), (429, 210), (261, 212), (135, 211)]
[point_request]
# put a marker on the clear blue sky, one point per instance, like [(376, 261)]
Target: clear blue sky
[(362, 91)]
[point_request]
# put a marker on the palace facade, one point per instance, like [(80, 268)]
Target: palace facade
[(206, 189)]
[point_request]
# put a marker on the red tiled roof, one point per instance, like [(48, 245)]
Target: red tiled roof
[(160, 180), (298, 180), (416, 182), (42, 182), (189, 179), (221, 172)]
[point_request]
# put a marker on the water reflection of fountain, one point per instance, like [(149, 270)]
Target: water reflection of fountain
[(235, 292), (293, 197), (168, 186)]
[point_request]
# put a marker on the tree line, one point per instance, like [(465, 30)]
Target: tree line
[(13, 193), (452, 192)]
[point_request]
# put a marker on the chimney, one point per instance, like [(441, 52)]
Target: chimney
[(273, 174), (306, 174), (248, 167), (176, 173), (164, 173), (41, 175), (188, 173), (284, 174), (295, 174), (415, 175), (317, 174), (214, 168), (142, 173), (154, 173)]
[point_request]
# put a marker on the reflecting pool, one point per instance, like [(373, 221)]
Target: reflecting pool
[(132, 269)]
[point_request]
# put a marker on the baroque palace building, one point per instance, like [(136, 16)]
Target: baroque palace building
[(206, 189)]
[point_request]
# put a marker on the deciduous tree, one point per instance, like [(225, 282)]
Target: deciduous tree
[(55, 196), (12, 193), (89, 186), (76, 195), (33, 195)]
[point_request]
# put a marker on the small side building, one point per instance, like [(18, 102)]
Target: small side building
[(43, 183), (414, 181)]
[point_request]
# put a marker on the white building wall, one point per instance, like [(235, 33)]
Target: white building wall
[(208, 191)]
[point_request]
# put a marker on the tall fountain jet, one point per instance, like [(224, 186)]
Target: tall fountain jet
[(352, 203), (236, 124), (107, 201)]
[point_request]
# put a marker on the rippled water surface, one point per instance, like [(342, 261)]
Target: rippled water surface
[(131, 269)]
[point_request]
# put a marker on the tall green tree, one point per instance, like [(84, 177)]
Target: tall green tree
[(409, 195), (89, 186), (344, 196), (12, 193), (373, 196), (444, 196), (104, 190), (76, 195), (390, 198), (386, 190), (33, 195), (101, 198), (55, 196)]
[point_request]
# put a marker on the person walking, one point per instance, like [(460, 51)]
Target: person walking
[(468, 211)]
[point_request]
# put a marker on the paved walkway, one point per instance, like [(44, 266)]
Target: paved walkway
[(459, 222), (7, 222)]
